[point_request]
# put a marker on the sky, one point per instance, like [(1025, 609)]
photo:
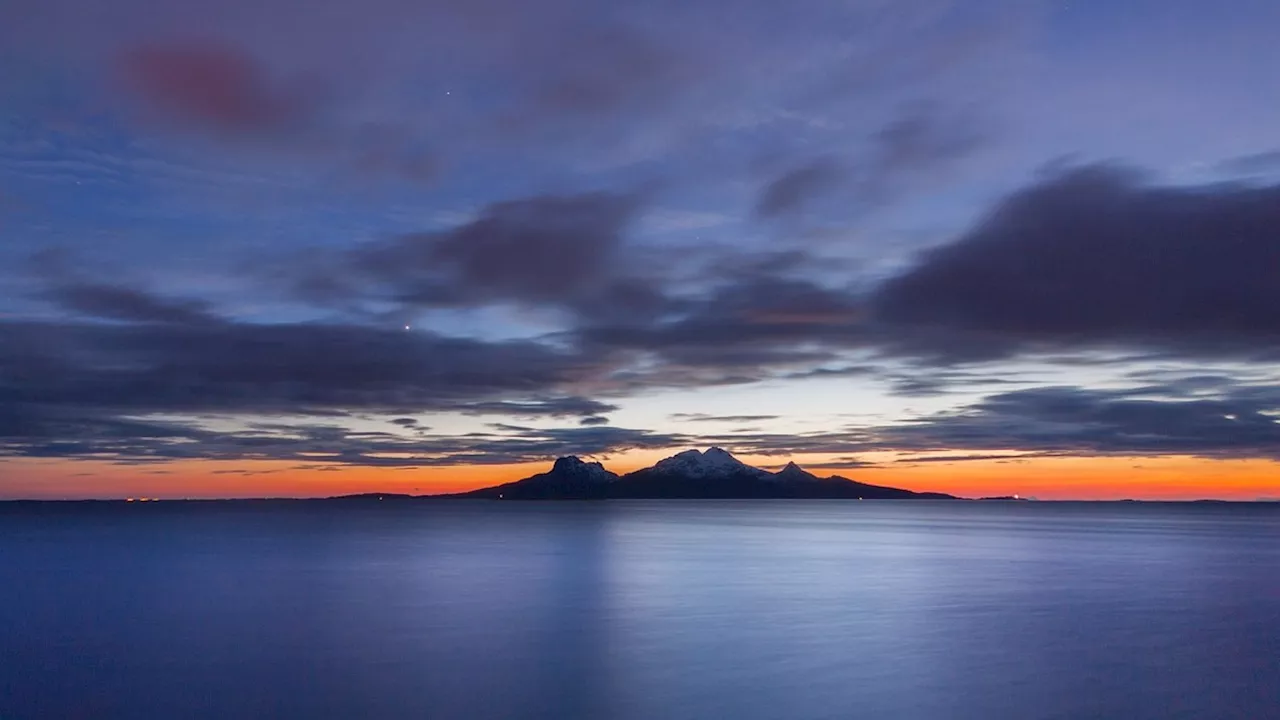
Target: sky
[(300, 248)]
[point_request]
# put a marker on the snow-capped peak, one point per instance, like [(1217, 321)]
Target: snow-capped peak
[(575, 467), (715, 461), (720, 456)]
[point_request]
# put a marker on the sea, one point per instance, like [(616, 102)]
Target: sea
[(674, 610)]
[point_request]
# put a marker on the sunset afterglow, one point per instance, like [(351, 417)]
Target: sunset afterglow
[(249, 249)]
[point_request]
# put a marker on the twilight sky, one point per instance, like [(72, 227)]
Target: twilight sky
[(300, 247)]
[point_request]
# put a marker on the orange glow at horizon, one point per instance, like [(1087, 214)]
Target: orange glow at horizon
[(1056, 478)]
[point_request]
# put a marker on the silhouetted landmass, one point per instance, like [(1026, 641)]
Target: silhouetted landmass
[(714, 474), (374, 496)]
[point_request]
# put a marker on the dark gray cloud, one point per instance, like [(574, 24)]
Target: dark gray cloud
[(909, 150), (848, 371), (283, 369), (924, 385), (541, 249), (1097, 256), (1242, 421), (934, 382), (563, 252), (1079, 421), (1090, 260), (111, 391), (118, 302), (26, 433), (790, 190), (1260, 163), (538, 407), (701, 417), (921, 140), (846, 463), (970, 458), (755, 322)]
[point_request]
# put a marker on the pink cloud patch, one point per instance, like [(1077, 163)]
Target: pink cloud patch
[(216, 87)]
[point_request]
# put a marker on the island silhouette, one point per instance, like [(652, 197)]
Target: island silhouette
[(691, 474)]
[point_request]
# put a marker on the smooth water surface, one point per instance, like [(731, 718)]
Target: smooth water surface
[(663, 610)]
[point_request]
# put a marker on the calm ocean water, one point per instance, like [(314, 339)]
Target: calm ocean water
[(663, 610)]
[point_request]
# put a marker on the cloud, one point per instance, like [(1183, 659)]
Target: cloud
[(1261, 163), (559, 251), (1099, 257), (384, 149), (216, 88), (24, 433), (606, 69), (1079, 421), (918, 143), (117, 302), (283, 369), (503, 85), (700, 417), (112, 391), (750, 317), (793, 188), (912, 147), (545, 407), (850, 371), (544, 248), (934, 382), (147, 391), (968, 458), (1242, 421), (227, 92), (752, 322), (842, 464)]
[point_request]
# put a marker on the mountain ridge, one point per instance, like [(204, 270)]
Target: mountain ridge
[(691, 474)]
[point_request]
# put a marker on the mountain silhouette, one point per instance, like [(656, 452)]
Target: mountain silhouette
[(689, 474), (570, 478)]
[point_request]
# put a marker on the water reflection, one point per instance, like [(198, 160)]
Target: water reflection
[(640, 610)]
